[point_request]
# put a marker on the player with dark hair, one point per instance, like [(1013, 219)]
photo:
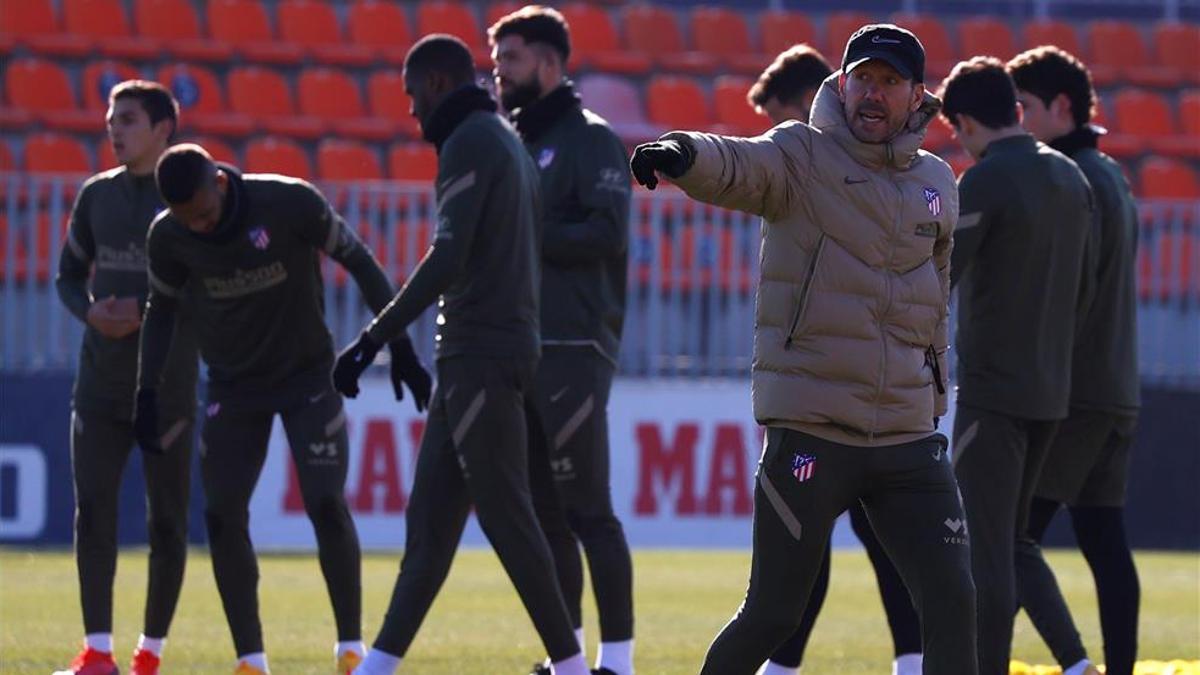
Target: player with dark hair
[(849, 341), (585, 221), (249, 246), (785, 91), (1087, 466), (106, 239), (1022, 261), (482, 270)]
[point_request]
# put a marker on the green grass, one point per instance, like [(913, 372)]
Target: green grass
[(477, 625)]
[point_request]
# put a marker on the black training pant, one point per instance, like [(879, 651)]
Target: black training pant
[(233, 449), (897, 603), (997, 459), (474, 451), (100, 446), (569, 414), (909, 494)]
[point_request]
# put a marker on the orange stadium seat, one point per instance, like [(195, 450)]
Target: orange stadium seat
[(653, 32), (105, 22), (677, 103), (175, 25), (500, 9), (332, 96), (618, 100), (6, 158), (219, 149), (99, 77), (34, 23), (985, 35), (347, 160), (412, 161), (244, 24), (446, 16), (381, 27), (277, 155), (1164, 178), (1189, 113), (263, 95), (939, 136), (780, 29), (105, 157), (1049, 32), (594, 41), (202, 103), (388, 101), (49, 152), (839, 26), (939, 53), (1177, 48), (734, 113), (313, 25), (1146, 116), (723, 33), (42, 88), (1120, 54)]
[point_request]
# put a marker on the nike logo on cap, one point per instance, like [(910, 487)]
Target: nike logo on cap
[(879, 40)]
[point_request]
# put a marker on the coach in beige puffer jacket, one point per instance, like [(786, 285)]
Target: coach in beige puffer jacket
[(850, 327)]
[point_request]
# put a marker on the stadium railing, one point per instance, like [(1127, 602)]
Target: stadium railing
[(690, 287)]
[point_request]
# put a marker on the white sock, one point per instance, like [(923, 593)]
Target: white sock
[(256, 659), (101, 642), (616, 656), (907, 664), (1078, 668), (152, 645), (378, 662), (579, 639), (572, 666), (772, 668), (344, 646)]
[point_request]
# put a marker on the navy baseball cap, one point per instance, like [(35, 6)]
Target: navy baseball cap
[(887, 42)]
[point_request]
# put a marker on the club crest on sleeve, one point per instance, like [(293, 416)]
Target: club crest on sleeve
[(803, 466), (260, 238), (933, 199), (545, 157)]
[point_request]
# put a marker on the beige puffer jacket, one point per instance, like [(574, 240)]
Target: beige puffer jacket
[(850, 327)]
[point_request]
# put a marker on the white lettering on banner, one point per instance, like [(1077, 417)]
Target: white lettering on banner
[(28, 464), (683, 462)]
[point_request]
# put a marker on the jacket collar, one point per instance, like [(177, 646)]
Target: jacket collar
[(1016, 143), (829, 116), (535, 119), (453, 109), (1084, 137)]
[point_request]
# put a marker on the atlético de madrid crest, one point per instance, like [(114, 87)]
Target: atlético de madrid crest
[(260, 238), (933, 199)]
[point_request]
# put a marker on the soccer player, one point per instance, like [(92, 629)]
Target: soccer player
[(482, 270), (850, 336), (1020, 258), (1086, 466), (249, 247), (106, 241), (785, 91), (585, 187)]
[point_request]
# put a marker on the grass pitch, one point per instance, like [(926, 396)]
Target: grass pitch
[(477, 625)]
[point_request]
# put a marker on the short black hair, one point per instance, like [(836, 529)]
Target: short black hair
[(535, 23), (441, 53), (792, 73), (982, 89), (181, 170), (1048, 71), (158, 101)]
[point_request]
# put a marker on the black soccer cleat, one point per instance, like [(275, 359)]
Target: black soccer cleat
[(540, 669)]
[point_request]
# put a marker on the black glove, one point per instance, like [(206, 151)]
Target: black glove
[(670, 158), (352, 362), (145, 421), (407, 369)]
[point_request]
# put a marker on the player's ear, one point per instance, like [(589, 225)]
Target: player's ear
[(918, 97)]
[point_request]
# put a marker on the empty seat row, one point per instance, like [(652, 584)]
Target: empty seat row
[(648, 36)]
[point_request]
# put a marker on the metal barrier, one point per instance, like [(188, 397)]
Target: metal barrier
[(693, 270)]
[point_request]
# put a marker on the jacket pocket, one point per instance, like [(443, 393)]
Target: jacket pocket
[(934, 358), (805, 288)]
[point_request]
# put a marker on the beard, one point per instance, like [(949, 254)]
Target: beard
[(878, 132), (520, 94)]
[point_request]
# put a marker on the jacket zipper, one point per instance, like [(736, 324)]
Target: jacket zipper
[(887, 277), (931, 357), (804, 290)]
